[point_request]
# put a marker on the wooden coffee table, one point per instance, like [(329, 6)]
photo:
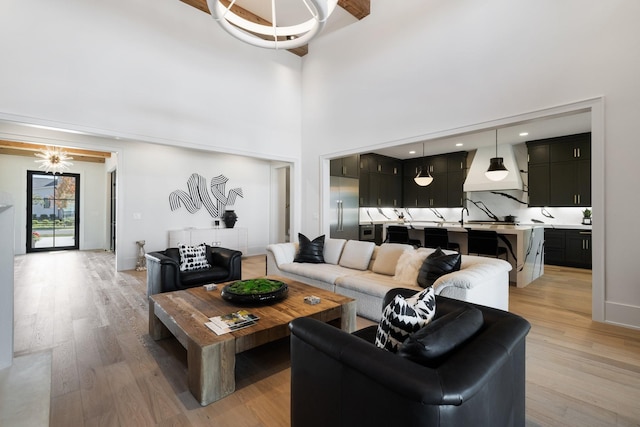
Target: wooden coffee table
[(211, 357)]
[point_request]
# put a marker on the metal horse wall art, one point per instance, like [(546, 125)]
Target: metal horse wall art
[(199, 196)]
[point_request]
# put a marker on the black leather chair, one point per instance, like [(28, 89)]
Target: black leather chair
[(164, 275), (341, 379), (484, 242), (438, 237), (400, 234)]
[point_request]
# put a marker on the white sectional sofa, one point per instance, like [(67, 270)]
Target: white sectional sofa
[(365, 272)]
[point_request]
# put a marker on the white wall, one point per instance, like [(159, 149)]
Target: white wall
[(7, 212), (93, 209), (150, 70), (148, 173), (431, 67)]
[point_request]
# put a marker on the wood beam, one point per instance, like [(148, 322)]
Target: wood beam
[(358, 8), (25, 149)]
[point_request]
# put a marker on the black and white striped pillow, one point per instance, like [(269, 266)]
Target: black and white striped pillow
[(402, 317), (193, 257)]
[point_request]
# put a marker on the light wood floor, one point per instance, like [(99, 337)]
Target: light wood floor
[(106, 371)]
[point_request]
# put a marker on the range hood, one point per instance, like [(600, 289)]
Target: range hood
[(476, 179)]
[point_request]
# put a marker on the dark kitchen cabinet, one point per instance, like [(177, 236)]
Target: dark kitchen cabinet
[(348, 167), (539, 184), (567, 247), (560, 171), (554, 246), (448, 172), (380, 181), (578, 248), (456, 174)]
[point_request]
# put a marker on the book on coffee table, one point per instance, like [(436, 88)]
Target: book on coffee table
[(231, 322)]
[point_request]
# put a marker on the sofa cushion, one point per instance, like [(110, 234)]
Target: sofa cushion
[(310, 250), (431, 344), (437, 264), (193, 257), (333, 250), (402, 317), (387, 258), (201, 277), (356, 254)]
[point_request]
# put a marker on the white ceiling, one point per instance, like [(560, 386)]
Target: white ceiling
[(538, 129)]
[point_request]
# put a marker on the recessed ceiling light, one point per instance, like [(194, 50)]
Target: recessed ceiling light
[(459, 144), (524, 133), (412, 152)]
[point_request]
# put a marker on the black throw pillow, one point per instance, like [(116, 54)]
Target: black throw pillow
[(431, 344), (310, 251), (437, 264)]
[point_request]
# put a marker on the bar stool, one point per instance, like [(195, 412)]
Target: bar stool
[(435, 237), (400, 234), (485, 242)]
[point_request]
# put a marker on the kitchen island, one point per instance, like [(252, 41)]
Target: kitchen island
[(525, 244)]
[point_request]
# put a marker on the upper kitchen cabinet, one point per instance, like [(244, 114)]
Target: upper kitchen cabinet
[(348, 167), (560, 171), (380, 181), (448, 172), (456, 174)]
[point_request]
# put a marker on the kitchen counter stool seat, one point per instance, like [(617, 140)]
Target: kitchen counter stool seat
[(485, 242), (435, 237)]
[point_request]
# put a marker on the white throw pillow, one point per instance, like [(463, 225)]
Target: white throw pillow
[(387, 258), (356, 254), (333, 250), (408, 267), (193, 257)]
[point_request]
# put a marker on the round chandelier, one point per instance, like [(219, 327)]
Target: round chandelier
[(272, 36)]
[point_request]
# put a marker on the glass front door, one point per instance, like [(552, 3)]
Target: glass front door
[(53, 215)]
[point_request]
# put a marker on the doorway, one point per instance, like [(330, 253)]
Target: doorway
[(112, 212), (53, 215)]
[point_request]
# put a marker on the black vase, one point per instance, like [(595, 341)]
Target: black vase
[(229, 218)]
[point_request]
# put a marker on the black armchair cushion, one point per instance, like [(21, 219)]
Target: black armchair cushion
[(193, 257), (311, 251), (402, 317), (433, 343), (437, 264)]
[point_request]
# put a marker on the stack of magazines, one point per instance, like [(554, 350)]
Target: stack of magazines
[(231, 322)]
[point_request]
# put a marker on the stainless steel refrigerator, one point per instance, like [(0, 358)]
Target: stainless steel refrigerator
[(344, 208)]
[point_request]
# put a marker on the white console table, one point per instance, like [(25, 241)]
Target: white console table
[(232, 238)]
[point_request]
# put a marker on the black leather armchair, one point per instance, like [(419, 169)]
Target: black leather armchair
[(164, 275), (341, 379)]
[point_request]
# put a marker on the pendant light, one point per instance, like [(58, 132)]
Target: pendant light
[(423, 179), (270, 34), (496, 171)]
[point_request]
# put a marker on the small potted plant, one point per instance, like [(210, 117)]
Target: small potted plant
[(35, 236), (586, 216)]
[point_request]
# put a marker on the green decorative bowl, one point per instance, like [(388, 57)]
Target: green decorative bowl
[(255, 291)]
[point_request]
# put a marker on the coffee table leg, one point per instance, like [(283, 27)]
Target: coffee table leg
[(348, 319), (211, 370), (157, 329)]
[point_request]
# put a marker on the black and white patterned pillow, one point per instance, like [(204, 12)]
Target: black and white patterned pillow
[(402, 317), (193, 257)]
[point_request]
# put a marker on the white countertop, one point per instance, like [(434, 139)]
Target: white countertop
[(455, 226)]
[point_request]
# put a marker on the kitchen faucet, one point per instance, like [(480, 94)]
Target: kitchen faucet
[(462, 216)]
